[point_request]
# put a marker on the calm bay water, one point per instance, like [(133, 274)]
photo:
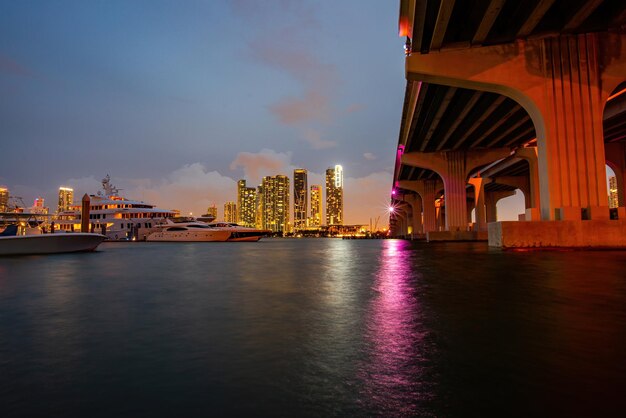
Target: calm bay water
[(313, 327)]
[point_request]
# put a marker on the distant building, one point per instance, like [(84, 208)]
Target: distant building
[(275, 203), (66, 198), (334, 196), (4, 199), (246, 204), (230, 212), (39, 206), (613, 195), (315, 221), (259, 207), (300, 199), (212, 211)]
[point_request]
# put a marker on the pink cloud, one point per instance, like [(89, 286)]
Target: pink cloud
[(282, 47), (12, 67), (265, 163), (355, 107), (313, 107)]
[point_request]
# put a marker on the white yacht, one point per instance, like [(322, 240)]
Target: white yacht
[(23, 237), (240, 233), (187, 229), (115, 216)]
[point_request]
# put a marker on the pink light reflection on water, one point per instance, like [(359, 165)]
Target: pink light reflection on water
[(393, 372)]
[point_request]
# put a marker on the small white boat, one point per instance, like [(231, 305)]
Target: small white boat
[(34, 242), (240, 233), (185, 230)]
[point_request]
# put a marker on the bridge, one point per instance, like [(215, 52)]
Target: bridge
[(505, 95)]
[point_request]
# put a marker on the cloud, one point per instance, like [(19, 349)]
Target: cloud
[(355, 107), (297, 110), (369, 156), (264, 163), (314, 138), (281, 46), (12, 67)]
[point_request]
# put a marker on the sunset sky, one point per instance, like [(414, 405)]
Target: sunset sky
[(178, 100)]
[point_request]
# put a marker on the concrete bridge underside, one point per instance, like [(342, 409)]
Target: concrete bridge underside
[(503, 96)]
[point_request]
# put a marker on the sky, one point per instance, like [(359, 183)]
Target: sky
[(177, 100)]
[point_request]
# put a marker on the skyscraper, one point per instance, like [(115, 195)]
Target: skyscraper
[(38, 206), (4, 199), (316, 206), (300, 198), (66, 198), (230, 212), (334, 196), (212, 211), (276, 203), (260, 207), (613, 196), (246, 204)]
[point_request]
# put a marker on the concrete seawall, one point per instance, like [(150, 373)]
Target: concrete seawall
[(568, 234)]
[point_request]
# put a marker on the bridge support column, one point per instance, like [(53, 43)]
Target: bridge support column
[(416, 209), (428, 204), (491, 202), (427, 189), (479, 201)]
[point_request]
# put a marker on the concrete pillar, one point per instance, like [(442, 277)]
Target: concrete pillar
[(454, 167), (530, 155), (428, 205), (563, 83), (479, 201), (398, 221), (454, 182), (427, 189), (491, 202), (416, 209)]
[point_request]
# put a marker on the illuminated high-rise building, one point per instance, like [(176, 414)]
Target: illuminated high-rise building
[(300, 199), (66, 198), (4, 199), (246, 204), (230, 212), (276, 203), (613, 195), (212, 211), (260, 207), (316, 206), (38, 206), (334, 196)]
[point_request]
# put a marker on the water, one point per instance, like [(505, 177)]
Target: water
[(313, 327)]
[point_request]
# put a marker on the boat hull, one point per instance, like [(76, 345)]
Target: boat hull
[(189, 236), (49, 243)]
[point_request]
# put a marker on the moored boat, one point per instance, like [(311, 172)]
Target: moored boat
[(240, 233), (187, 230), (32, 241)]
